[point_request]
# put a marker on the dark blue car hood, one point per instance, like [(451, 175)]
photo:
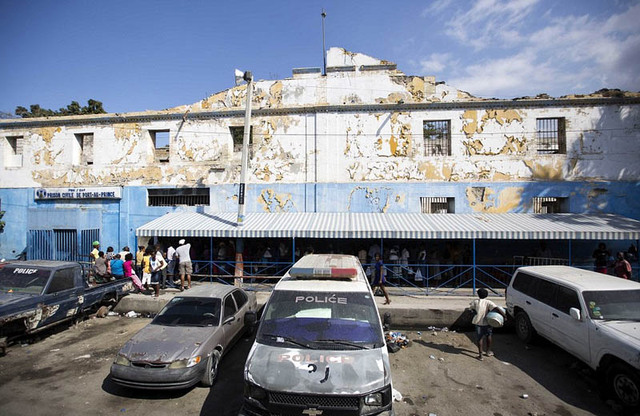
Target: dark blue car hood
[(9, 300)]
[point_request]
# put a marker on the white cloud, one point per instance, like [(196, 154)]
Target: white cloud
[(490, 23), (436, 62), (571, 54)]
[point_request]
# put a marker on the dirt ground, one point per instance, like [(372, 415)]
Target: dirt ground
[(66, 373)]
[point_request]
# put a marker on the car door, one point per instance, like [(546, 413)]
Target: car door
[(571, 334), (540, 307), (61, 296), (231, 321)]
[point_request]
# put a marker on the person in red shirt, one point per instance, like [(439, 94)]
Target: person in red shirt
[(622, 268)]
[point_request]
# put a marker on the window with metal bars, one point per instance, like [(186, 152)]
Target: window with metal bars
[(161, 141), (165, 197), (437, 137), (437, 205), (551, 135), (549, 205)]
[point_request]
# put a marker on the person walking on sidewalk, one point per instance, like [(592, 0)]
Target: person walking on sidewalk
[(482, 306), (378, 278), (184, 263)]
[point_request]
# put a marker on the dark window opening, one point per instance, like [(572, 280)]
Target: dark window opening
[(437, 138), (237, 133), (166, 197), (161, 141), (550, 205), (86, 148), (437, 205)]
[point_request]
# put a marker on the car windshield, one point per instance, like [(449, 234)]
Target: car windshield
[(23, 279), (611, 305), (322, 320), (189, 311)]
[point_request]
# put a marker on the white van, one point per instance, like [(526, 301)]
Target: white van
[(594, 316), (320, 347)]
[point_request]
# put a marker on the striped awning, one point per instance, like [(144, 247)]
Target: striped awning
[(400, 226)]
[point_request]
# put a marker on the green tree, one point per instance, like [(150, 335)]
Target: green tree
[(92, 107)]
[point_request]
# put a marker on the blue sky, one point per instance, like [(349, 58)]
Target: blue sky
[(151, 55)]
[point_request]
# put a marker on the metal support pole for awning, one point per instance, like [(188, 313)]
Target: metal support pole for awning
[(473, 245)]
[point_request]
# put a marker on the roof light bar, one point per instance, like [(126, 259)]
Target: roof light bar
[(324, 272)]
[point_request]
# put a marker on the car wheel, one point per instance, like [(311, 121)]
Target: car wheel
[(624, 384), (524, 329), (211, 371)]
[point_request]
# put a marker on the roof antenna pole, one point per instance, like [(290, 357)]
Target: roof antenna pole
[(324, 49)]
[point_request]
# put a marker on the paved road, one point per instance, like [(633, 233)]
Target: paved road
[(66, 374)]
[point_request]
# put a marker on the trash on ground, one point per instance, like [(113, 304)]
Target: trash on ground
[(524, 396), (82, 357), (396, 341), (54, 350), (112, 313), (131, 314), (433, 357), (397, 397)]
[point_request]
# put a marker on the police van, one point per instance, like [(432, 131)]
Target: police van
[(320, 347)]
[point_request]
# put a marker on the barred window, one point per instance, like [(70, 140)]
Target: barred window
[(165, 197), (437, 137), (549, 205), (551, 135), (161, 141), (437, 205)]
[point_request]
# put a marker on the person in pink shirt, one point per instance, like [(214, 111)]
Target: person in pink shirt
[(128, 272)]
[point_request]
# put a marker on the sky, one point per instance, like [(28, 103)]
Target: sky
[(137, 55)]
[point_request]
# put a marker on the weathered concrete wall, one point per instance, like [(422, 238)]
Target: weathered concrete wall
[(487, 145)]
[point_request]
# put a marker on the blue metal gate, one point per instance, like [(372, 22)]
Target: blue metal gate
[(60, 244)]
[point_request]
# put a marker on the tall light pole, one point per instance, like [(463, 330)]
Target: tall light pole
[(246, 76)]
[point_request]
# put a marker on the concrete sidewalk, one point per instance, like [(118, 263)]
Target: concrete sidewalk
[(407, 311)]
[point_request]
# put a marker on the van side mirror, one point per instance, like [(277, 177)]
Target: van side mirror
[(575, 313)]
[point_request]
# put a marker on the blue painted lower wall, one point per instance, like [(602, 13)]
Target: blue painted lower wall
[(117, 220)]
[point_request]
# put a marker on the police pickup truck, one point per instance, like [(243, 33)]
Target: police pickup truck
[(38, 294)]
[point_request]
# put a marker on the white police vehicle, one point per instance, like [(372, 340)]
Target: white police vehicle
[(320, 347)]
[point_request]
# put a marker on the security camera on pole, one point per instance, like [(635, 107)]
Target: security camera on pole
[(243, 76)]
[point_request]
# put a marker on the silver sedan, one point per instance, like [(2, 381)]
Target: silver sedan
[(184, 343)]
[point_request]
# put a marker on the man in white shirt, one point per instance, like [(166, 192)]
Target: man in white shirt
[(184, 263)]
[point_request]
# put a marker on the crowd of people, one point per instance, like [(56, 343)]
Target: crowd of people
[(149, 270), (603, 261)]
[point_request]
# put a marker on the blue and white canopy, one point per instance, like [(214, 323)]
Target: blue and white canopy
[(396, 226)]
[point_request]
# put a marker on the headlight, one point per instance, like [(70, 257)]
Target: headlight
[(186, 363), (122, 360), (254, 392), (374, 399)]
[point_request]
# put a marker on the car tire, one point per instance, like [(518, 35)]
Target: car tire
[(524, 329), (623, 384), (211, 370)]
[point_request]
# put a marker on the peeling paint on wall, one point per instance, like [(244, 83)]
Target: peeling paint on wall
[(487, 201), (546, 169), (379, 199), (272, 201)]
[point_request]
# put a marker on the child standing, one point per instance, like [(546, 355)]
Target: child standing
[(482, 307), (146, 268)]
